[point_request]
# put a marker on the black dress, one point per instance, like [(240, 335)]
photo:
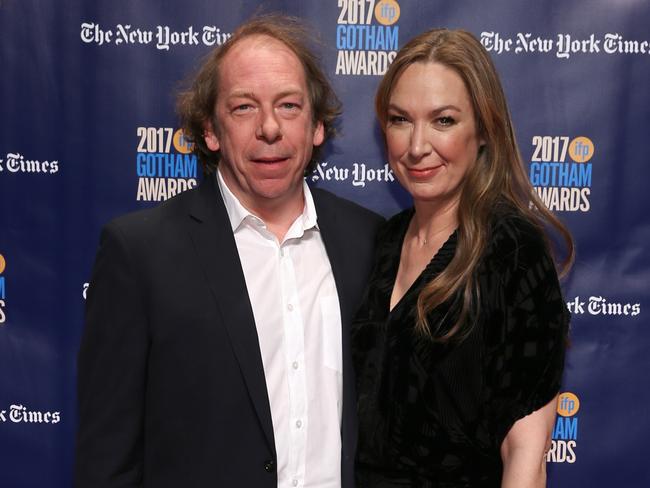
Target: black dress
[(433, 415)]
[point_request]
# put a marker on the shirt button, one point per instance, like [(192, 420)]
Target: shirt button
[(294, 482), (298, 423), (290, 307), (269, 466), (295, 365)]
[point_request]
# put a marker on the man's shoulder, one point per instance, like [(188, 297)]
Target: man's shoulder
[(151, 220), (346, 210)]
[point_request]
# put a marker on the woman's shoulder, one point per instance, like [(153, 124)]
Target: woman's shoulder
[(515, 239)]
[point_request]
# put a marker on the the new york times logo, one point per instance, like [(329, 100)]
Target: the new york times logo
[(599, 305), (162, 36), (19, 414), (16, 163)]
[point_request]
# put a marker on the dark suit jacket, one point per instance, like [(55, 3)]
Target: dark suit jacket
[(171, 383)]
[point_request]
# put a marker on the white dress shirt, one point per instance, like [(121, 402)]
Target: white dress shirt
[(297, 315)]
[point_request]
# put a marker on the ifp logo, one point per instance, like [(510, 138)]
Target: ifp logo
[(387, 12), (568, 404), (181, 144), (565, 431), (581, 149)]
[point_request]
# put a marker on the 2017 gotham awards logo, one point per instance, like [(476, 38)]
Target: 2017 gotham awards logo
[(3, 265), (367, 37), (565, 432), (165, 164), (560, 172)]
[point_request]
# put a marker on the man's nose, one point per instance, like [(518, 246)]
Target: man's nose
[(269, 128)]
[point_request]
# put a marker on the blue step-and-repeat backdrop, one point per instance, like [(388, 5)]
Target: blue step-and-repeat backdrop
[(87, 91)]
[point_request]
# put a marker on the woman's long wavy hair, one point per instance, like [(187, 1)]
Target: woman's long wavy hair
[(497, 177)]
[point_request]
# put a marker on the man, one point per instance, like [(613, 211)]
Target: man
[(216, 348)]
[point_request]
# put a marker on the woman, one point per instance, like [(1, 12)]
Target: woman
[(459, 345)]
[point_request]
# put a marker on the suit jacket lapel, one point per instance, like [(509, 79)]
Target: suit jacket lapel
[(215, 245)]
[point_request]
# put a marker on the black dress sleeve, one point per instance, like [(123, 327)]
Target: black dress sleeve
[(526, 335)]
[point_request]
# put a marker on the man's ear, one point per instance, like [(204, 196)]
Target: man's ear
[(319, 133), (210, 137)]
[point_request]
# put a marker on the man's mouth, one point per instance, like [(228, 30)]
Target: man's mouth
[(270, 159)]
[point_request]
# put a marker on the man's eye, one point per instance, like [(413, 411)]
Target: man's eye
[(244, 107), (290, 106)]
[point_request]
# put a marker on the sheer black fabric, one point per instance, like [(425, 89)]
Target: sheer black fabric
[(433, 415)]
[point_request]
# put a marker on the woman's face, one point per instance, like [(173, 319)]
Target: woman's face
[(431, 133)]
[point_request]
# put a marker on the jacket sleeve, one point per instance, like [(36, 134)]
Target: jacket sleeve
[(112, 370)]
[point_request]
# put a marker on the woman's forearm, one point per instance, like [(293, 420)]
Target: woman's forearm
[(524, 468)]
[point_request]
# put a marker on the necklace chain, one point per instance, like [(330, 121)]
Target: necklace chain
[(427, 239)]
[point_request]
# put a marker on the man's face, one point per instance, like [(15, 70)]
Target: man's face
[(265, 127)]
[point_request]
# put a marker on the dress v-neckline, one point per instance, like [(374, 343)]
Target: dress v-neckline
[(425, 271)]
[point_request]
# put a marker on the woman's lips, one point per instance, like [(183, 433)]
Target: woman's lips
[(423, 173)]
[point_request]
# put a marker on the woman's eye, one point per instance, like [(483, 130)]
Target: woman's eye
[(397, 119), (446, 121)]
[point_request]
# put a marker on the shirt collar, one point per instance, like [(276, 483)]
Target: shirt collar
[(237, 213)]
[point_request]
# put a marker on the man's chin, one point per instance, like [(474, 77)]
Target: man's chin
[(272, 189)]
